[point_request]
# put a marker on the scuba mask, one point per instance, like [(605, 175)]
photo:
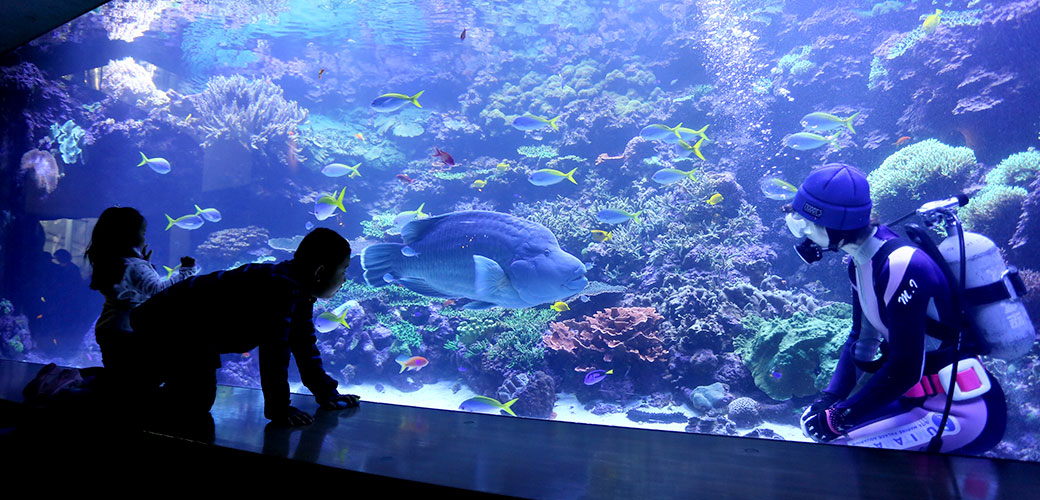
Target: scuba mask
[(808, 250)]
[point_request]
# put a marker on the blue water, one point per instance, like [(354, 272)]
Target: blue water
[(248, 103)]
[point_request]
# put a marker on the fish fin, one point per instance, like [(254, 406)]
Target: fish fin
[(415, 98), (552, 123), (506, 407), (689, 175), (170, 221), (403, 367), (419, 285), (478, 304), (675, 129), (570, 175), (610, 372), (635, 216), (144, 160), (848, 121), (197, 210), (339, 201), (697, 149), (378, 260), (343, 319), (417, 228), (418, 212), (489, 277)]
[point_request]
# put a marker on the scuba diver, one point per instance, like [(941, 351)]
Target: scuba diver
[(904, 308)]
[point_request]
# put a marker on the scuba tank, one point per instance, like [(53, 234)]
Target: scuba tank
[(992, 296)]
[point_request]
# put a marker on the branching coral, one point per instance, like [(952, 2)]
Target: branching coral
[(130, 82), (250, 112), (908, 177), (232, 243)]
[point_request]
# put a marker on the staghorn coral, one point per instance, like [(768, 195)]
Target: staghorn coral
[(249, 112), (908, 177)]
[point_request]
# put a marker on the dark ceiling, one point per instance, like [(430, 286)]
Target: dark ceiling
[(24, 20)]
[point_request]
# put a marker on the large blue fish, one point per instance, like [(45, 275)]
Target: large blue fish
[(531, 122), (160, 165), (492, 258), (484, 404)]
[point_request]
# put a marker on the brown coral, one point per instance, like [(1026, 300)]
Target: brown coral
[(625, 333)]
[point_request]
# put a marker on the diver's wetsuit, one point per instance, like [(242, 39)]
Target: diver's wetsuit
[(908, 301), (191, 323)]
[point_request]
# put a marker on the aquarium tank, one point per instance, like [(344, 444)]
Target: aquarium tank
[(627, 163)]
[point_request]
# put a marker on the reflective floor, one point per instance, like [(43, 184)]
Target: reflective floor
[(400, 445)]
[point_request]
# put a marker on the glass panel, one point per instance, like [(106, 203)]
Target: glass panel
[(558, 209)]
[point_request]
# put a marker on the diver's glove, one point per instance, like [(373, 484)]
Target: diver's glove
[(824, 426), (826, 400)]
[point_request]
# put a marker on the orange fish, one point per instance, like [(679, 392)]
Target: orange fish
[(360, 137), (901, 141), (320, 73), (449, 302), (413, 363), (38, 316)]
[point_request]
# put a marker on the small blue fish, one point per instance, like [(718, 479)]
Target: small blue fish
[(616, 216), (325, 206), (210, 214), (187, 222), (804, 141), (531, 122), (596, 376), (339, 169), (160, 165), (672, 175), (777, 374), (393, 102), (548, 177)]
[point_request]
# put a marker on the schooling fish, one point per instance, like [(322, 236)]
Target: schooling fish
[(777, 189), (188, 222), (696, 148), (404, 218), (210, 214), (804, 141), (601, 236), (414, 363), (327, 205), (672, 175), (533, 122), (616, 216), (393, 102), (328, 321), (444, 157), (658, 131), (482, 404), (596, 376), (548, 177), (160, 165), (825, 122)]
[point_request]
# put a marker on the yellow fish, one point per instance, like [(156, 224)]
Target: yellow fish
[(502, 166), (479, 184), (931, 22), (601, 236), (560, 307), (715, 199)]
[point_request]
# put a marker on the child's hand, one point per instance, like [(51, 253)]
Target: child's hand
[(146, 254)]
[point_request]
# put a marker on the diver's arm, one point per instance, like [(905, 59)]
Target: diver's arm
[(845, 374), (907, 311)]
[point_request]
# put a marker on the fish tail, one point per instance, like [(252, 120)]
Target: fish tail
[(848, 121), (675, 129), (701, 131), (378, 260), (170, 221), (418, 213), (144, 160), (834, 140), (610, 372), (697, 149), (635, 216), (506, 407), (415, 98), (552, 123), (689, 175), (403, 367), (343, 319), (339, 201), (570, 175), (197, 210)]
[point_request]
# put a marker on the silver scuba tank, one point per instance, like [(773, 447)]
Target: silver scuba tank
[(1003, 324)]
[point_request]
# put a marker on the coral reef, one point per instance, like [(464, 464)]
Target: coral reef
[(535, 394), (744, 412), (229, 244), (67, 136), (248, 112), (909, 177), (617, 336), (130, 82), (707, 397), (15, 340), (794, 357), (646, 415), (994, 212), (43, 168)]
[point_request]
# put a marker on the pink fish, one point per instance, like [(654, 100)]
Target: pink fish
[(414, 363), (444, 157)]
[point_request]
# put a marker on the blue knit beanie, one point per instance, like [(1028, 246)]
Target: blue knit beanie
[(835, 196)]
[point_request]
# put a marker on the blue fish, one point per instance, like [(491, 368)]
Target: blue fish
[(531, 122), (804, 141), (210, 214), (658, 132), (187, 222), (325, 206), (549, 176), (616, 216), (672, 175), (482, 404), (393, 102), (495, 259), (596, 376), (160, 165)]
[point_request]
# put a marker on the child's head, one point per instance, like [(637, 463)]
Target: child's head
[(118, 231), (321, 261)]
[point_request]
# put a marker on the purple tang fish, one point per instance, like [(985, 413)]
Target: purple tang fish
[(596, 376)]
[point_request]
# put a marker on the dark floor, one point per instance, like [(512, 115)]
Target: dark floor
[(402, 450)]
